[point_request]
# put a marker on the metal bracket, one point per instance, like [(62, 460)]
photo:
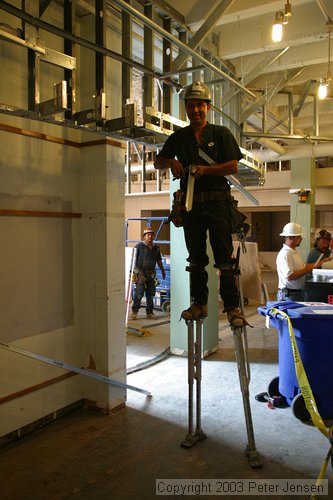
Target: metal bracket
[(45, 53), (59, 102), (127, 121), (95, 114), (11, 37), (58, 59)]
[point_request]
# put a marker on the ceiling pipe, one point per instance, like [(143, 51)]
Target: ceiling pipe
[(295, 152), (274, 146)]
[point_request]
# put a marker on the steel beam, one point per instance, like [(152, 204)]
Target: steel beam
[(203, 31), (286, 78)]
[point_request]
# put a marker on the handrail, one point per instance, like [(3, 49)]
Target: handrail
[(162, 220)]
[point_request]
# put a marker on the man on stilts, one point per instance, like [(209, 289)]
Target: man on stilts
[(211, 200)]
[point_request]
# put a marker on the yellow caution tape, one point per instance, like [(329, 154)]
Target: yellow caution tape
[(306, 392)]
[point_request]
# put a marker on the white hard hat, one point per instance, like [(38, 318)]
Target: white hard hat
[(292, 229), (199, 91)]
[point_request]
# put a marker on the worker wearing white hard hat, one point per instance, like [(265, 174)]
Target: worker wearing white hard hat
[(291, 268), (292, 229)]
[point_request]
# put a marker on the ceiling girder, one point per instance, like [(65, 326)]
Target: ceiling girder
[(43, 5), (306, 89), (202, 32), (257, 70), (283, 81), (128, 8)]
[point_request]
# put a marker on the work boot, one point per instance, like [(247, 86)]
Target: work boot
[(195, 311), (151, 315), (134, 315), (236, 318)]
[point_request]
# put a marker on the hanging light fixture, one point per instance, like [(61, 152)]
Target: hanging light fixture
[(287, 13), (281, 18), (322, 89), (324, 82), (277, 27)]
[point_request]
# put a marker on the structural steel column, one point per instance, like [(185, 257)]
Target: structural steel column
[(126, 50), (303, 176), (100, 28), (148, 87), (31, 35), (167, 48), (69, 49)]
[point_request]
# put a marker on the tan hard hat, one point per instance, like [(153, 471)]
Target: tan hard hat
[(148, 230)]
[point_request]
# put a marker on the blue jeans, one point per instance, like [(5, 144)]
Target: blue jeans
[(143, 287), (288, 294), (211, 217)]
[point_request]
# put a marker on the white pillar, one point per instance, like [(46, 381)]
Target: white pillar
[(102, 263)]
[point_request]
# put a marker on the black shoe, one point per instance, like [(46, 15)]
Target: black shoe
[(262, 397)]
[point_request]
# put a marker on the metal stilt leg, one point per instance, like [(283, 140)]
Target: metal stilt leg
[(244, 380), (241, 349), (194, 374)]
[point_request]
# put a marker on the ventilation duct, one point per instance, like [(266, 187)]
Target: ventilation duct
[(295, 152)]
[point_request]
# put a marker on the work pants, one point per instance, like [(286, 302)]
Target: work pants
[(144, 286), (211, 217)]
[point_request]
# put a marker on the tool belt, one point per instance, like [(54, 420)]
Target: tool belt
[(140, 276), (209, 196), (237, 219), (176, 215)]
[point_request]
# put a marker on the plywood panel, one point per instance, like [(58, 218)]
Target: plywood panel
[(252, 282)]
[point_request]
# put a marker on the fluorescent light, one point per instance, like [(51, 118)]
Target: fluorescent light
[(277, 27), (324, 82), (277, 32), (322, 90)]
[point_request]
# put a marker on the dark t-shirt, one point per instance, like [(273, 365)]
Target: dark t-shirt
[(146, 257), (314, 255), (217, 142)]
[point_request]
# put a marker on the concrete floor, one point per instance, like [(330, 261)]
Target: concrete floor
[(89, 456)]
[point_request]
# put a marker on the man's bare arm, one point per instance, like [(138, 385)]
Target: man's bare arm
[(175, 166), (307, 268), (219, 169)]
